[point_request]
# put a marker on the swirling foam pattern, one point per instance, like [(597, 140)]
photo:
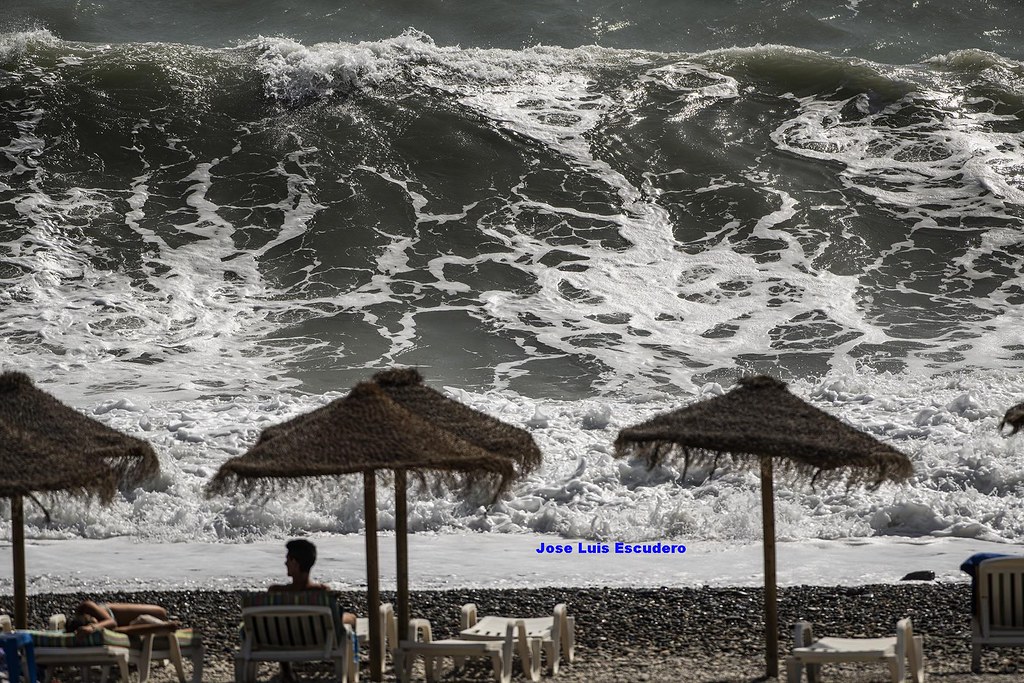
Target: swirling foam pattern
[(199, 241)]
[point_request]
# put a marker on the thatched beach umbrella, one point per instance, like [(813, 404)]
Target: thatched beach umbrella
[(1014, 418), (755, 424), (48, 447), (405, 387), (364, 431)]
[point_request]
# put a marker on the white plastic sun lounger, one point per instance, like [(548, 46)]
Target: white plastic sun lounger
[(998, 613), (557, 633), (157, 647), (894, 651), (293, 633), (498, 651), (105, 648)]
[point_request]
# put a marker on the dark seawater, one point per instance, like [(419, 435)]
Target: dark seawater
[(548, 199), (562, 201)]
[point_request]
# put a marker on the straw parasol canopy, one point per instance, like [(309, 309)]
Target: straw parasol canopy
[(365, 431), (1014, 418), (757, 424), (48, 447), (406, 388)]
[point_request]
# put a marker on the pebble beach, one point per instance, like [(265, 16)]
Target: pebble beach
[(660, 634)]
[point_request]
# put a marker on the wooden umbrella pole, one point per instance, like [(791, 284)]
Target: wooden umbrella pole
[(402, 554), (18, 550), (373, 576), (771, 606)]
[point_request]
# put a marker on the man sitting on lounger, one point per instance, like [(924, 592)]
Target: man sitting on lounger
[(299, 561)]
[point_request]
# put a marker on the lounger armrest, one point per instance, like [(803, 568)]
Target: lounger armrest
[(420, 631), (389, 628), (802, 634), (468, 616), (348, 634)]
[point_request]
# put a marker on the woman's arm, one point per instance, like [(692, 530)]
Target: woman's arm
[(102, 617)]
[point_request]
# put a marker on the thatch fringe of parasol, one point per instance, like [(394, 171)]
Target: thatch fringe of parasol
[(856, 471), (486, 487), (362, 431), (1014, 418)]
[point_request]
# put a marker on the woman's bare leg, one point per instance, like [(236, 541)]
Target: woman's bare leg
[(126, 612)]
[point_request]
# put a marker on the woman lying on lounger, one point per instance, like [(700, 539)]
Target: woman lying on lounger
[(129, 618)]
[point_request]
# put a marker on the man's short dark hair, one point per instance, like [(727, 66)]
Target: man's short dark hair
[(303, 551)]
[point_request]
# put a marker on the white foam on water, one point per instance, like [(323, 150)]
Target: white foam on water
[(645, 315), (638, 305), (967, 477)]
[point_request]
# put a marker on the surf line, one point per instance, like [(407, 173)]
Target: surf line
[(619, 548)]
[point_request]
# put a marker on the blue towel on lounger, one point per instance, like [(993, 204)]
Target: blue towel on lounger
[(970, 567)]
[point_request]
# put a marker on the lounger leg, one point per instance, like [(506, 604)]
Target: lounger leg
[(433, 666), (122, 664), (569, 640), (401, 663), (529, 652), (245, 671), (502, 668), (32, 674), (552, 654), (917, 660), (352, 664), (506, 655), (535, 650), (340, 670), (198, 652), (793, 670), (145, 658), (975, 645), (174, 649)]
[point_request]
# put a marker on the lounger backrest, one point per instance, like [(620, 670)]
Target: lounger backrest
[(1001, 594), (287, 620), (289, 627)]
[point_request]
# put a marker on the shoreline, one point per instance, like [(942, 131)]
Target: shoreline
[(633, 634), (474, 559)]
